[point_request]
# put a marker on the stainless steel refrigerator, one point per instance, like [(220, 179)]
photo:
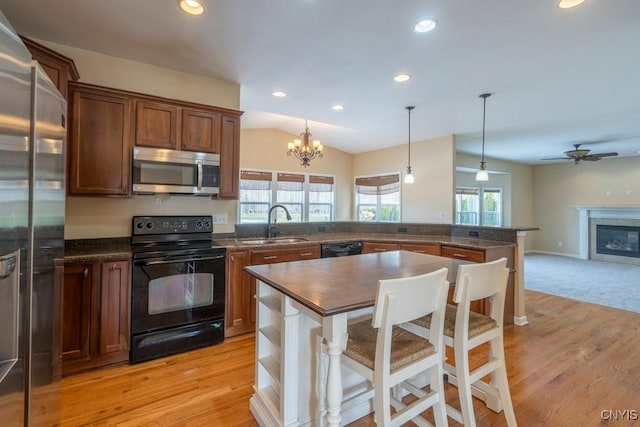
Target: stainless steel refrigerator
[(32, 191)]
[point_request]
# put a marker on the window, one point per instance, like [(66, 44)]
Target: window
[(255, 196), (290, 194), (476, 206), (378, 198), (306, 197), (320, 198)]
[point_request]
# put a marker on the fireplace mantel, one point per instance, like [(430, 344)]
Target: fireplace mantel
[(600, 211)]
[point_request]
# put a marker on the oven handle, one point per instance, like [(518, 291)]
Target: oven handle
[(170, 259)]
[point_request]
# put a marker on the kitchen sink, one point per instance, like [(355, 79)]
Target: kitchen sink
[(272, 240)]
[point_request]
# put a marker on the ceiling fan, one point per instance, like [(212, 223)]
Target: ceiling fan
[(578, 154)]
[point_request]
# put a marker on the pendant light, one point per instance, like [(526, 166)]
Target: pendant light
[(482, 174), (408, 178)]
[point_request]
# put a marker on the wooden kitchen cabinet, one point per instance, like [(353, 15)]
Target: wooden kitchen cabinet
[(95, 315), (156, 125), (229, 157), (373, 247), (298, 253), (60, 69), (99, 160), (422, 248), (485, 255), (172, 126), (240, 314)]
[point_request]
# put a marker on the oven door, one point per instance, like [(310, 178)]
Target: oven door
[(172, 291)]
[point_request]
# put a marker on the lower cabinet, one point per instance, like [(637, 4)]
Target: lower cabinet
[(485, 255), (240, 316), (373, 247), (95, 315), (240, 303)]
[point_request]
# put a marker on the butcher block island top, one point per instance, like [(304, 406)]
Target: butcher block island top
[(329, 286)]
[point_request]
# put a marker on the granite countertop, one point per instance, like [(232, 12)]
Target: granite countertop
[(92, 250), (463, 242), (114, 249)]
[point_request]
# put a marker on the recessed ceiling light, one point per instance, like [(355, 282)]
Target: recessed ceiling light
[(567, 4), (401, 78), (337, 108), (425, 26), (279, 94), (192, 7)]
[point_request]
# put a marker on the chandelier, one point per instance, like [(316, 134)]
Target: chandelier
[(303, 149)]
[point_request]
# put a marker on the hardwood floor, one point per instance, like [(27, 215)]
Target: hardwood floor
[(571, 362)]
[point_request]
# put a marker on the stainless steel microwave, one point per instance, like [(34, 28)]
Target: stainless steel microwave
[(157, 170)]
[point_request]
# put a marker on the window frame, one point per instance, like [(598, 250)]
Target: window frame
[(378, 205), (481, 209), (305, 204)]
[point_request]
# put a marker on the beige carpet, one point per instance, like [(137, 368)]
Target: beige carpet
[(606, 283)]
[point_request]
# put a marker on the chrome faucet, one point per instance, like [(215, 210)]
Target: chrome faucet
[(271, 227)]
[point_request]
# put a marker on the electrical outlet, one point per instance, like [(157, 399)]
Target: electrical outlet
[(473, 233), (220, 218), (402, 229)]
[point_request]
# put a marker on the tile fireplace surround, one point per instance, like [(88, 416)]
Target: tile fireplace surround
[(590, 216)]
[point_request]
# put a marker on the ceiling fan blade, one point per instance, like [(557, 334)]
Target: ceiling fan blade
[(603, 154), (558, 158)]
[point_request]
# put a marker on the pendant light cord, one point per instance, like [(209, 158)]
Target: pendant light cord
[(484, 96), (409, 137)]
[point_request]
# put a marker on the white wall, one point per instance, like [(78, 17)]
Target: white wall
[(430, 198), (558, 188)]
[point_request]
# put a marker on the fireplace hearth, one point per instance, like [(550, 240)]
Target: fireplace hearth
[(618, 240)]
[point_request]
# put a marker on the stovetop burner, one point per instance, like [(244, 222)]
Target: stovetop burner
[(167, 235)]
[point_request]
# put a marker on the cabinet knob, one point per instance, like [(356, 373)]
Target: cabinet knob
[(271, 257), (85, 272)]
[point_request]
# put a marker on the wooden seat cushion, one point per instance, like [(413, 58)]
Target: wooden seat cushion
[(405, 346), (478, 323)]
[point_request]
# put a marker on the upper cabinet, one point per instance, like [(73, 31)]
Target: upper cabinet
[(178, 126), (106, 124), (60, 69), (100, 141), (156, 125), (229, 156)]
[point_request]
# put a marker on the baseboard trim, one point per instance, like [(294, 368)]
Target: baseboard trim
[(554, 253), (520, 320)]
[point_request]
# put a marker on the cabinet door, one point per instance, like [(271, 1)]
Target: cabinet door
[(424, 248), (156, 125), (100, 143), (240, 301), (76, 312), (200, 131), (229, 157), (114, 311), (373, 247)]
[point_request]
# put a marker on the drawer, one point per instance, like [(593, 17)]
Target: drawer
[(460, 253), (270, 256), (421, 248), (372, 247)]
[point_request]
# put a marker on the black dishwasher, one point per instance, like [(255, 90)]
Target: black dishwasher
[(328, 250)]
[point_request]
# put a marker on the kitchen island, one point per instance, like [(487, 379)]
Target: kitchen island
[(299, 302)]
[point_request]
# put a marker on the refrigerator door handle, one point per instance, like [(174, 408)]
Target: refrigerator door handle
[(7, 265)]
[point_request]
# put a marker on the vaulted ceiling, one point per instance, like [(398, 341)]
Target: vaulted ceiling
[(558, 77)]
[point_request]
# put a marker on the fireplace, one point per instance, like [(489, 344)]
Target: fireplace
[(618, 240)]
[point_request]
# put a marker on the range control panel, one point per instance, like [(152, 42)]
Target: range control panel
[(143, 225)]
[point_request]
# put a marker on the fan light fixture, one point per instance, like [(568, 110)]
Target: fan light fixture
[(482, 174), (408, 178), (303, 149)]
